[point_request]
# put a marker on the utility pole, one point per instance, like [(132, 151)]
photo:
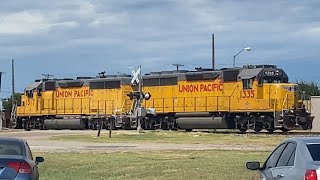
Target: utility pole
[(213, 53), (1, 115), (13, 88), (177, 66)]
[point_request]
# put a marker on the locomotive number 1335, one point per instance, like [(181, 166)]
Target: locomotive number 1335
[(247, 93)]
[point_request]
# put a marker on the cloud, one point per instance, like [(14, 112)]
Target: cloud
[(31, 22), (92, 35), (105, 19), (23, 22)]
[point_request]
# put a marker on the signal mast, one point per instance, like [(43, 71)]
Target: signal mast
[(139, 112)]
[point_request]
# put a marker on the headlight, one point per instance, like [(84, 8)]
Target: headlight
[(147, 96)]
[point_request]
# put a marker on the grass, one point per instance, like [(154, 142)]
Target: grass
[(178, 138), (214, 164), (149, 165)]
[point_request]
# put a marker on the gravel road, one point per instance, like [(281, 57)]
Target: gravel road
[(39, 141)]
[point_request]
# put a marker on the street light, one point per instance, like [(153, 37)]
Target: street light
[(234, 57)]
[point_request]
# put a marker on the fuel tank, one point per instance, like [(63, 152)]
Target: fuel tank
[(203, 121), (72, 123)]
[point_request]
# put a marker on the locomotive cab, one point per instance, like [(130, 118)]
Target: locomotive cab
[(284, 99), (29, 103)]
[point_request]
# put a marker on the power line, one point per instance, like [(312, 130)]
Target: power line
[(47, 76), (177, 65)]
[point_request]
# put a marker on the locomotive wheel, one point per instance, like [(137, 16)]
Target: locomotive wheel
[(270, 131), (284, 130), (165, 126), (188, 130), (27, 127), (125, 127), (258, 128), (93, 126), (289, 122), (306, 126), (42, 127), (242, 131), (269, 127)]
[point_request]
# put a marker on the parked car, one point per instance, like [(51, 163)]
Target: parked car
[(16, 160), (293, 159)]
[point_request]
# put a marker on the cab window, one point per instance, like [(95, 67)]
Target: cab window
[(247, 83), (29, 94), (29, 153), (39, 91)]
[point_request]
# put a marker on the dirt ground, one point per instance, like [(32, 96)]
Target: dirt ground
[(40, 141)]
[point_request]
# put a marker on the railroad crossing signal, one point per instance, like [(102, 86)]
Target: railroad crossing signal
[(135, 76)]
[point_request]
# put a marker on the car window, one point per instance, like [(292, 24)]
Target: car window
[(29, 151), (10, 148), (314, 150), (286, 154), (292, 157), (273, 159)]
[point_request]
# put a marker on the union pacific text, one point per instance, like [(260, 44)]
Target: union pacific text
[(200, 88), (79, 93)]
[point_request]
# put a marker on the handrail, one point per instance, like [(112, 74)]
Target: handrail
[(161, 107), (70, 106), (274, 109), (234, 90), (284, 102)]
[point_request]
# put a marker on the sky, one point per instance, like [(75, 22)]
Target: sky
[(84, 37)]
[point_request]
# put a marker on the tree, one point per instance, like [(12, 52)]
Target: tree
[(309, 89), (7, 104)]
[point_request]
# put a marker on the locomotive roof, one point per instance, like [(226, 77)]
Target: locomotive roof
[(249, 73), (86, 81), (51, 84), (227, 74), (248, 69), (33, 85)]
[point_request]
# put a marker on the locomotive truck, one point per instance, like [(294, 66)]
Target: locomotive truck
[(250, 97)]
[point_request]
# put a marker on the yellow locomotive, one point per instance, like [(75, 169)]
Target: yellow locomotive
[(73, 104), (251, 97)]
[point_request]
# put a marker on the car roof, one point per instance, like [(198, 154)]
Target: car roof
[(306, 140), (11, 139)]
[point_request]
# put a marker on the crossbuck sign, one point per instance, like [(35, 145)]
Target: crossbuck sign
[(135, 76)]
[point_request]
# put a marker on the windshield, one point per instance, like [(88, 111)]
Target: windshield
[(10, 148), (314, 150), (273, 79)]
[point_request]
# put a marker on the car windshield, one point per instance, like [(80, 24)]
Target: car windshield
[(314, 150), (10, 148)]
